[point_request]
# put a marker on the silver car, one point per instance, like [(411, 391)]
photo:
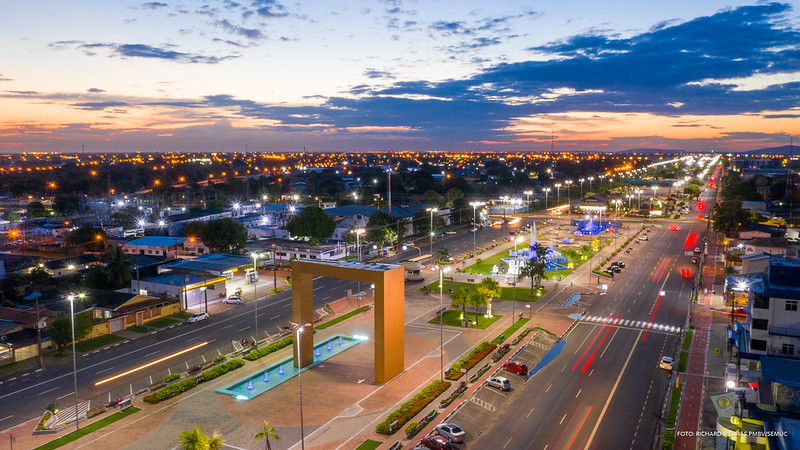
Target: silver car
[(451, 432), (501, 383), (235, 299)]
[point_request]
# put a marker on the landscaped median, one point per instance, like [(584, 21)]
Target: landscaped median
[(397, 418), (184, 385), (475, 356)]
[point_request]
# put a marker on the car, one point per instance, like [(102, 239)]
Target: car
[(501, 383), (608, 273), (643, 237), (234, 299), (615, 269), (517, 367), (665, 363), (697, 250), (408, 244), (198, 317), (673, 228), (512, 233), (473, 229), (451, 432), (435, 443), (695, 260), (628, 250), (620, 263), (450, 232)]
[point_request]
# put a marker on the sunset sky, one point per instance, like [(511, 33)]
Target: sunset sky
[(335, 75)]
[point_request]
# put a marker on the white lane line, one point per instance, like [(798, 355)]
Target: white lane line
[(506, 444), (49, 390), (579, 393), (65, 395), (548, 388), (150, 354), (227, 326), (529, 413), (245, 328), (274, 317), (104, 370), (6, 418), (562, 419)]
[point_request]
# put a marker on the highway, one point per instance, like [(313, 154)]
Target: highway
[(605, 389)]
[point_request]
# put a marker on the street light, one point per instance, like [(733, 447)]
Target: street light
[(590, 182), (528, 194), (514, 286), (474, 224), (299, 329), (255, 294), (558, 194), (432, 210), (582, 180), (405, 247), (639, 200), (569, 198), (71, 299), (504, 199), (546, 191), (358, 232), (442, 270)]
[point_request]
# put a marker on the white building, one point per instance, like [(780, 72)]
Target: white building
[(774, 319)]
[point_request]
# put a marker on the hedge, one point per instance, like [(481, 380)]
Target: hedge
[(171, 391), (412, 407), (471, 360), (264, 351), (221, 369), (171, 377), (219, 358)]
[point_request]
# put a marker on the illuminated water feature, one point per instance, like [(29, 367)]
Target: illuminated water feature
[(284, 370)]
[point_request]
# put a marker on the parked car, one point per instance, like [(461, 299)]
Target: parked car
[(695, 260), (234, 299), (665, 363), (450, 232), (517, 367), (451, 432), (197, 317), (615, 269), (628, 250), (643, 237), (619, 263), (435, 443), (697, 250), (501, 383)]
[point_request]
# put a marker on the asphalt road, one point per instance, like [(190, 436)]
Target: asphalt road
[(605, 390)]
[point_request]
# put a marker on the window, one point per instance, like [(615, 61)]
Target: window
[(787, 349), (760, 324), (759, 301), (791, 305), (758, 345)]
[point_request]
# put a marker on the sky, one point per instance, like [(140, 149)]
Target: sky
[(452, 75)]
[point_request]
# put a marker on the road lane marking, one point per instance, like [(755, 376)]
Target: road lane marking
[(509, 440), (49, 390), (609, 342), (6, 418), (548, 388), (242, 329), (274, 317), (65, 395), (104, 370), (611, 395), (151, 353), (227, 326), (579, 393), (562, 419), (530, 412)]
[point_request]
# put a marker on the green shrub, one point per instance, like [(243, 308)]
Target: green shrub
[(173, 389), (150, 398), (171, 377), (410, 408), (469, 361), (411, 428), (222, 369), (264, 351), (219, 358)]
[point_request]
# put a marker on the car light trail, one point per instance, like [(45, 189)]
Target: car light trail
[(568, 423), (580, 426), (590, 344), (690, 240), (653, 315), (589, 361), (136, 369), (664, 269), (658, 269)]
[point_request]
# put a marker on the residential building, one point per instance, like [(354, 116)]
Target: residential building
[(774, 320), (163, 246), (67, 266)]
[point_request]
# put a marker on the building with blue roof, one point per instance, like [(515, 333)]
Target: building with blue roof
[(774, 313), (163, 246)]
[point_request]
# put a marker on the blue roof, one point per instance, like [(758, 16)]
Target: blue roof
[(177, 279), (350, 210), (780, 370), (156, 241)]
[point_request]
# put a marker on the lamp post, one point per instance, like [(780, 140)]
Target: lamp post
[(590, 182), (255, 293), (558, 194), (639, 200), (514, 283), (299, 329), (405, 247), (504, 199), (569, 195), (546, 191), (71, 299), (474, 224), (582, 180), (432, 210), (528, 195), (442, 270), (358, 232)]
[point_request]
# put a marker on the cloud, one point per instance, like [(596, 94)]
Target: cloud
[(452, 27), (269, 8), (373, 73), (95, 90), (98, 106), (154, 5), (141, 51), (2, 78), (249, 33)]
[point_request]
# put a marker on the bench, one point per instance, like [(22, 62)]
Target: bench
[(125, 404)]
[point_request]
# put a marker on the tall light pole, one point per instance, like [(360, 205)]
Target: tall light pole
[(582, 180), (528, 194), (654, 188), (255, 292), (558, 194), (590, 182), (299, 329), (442, 270), (639, 200), (432, 210), (569, 196), (514, 285), (474, 224), (504, 199), (546, 191), (71, 299), (358, 232)]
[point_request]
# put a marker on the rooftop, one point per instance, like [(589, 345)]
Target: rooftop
[(156, 241)]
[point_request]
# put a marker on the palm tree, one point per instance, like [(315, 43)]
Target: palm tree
[(534, 268), (461, 298), (268, 432), (193, 440), (476, 299), (443, 254), (214, 442), (490, 288), (118, 267)]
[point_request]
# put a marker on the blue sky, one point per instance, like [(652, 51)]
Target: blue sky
[(269, 75)]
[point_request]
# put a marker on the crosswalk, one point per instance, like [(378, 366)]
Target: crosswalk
[(633, 324)]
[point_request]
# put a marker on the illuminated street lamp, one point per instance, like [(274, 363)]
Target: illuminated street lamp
[(71, 298), (358, 232), (255, 294), (558, 194), (514, 285), (442, 270), (569, 197), (528, 194), (299, 329), (590, 182), (432, 210), (639, 200), (546, 191), (582, 180), (474, 224)]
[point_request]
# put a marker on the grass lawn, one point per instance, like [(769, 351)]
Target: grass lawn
[(19, 367), (674, 401), (98, 342), (162, 322), (139, 329), (369, 444), (506, 293), (182, 315), (66, 439), (485, 266), (509, 331), (687, 339), (683, 362), (332, 322), (452, 318)]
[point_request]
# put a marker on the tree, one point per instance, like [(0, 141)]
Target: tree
[(215, 441), (125, 218), (422, 222), (39, 276), (477, 299), (36, 209), (193, 440), (434, 199), (377, 225), (118, 267), (225, 236), (10, 216), (461, 299), (268, 432), (490, 288), (443, 255), (729, 217), (87, 237), (60, 328), (535, 268), (313, 224), (66, 204), (196, 229)]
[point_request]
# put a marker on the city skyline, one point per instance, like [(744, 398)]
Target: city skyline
[(273, 76)]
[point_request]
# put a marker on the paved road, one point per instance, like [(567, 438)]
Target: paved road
[(604, 390)]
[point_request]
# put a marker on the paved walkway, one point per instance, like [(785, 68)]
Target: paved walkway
[(689, 415)]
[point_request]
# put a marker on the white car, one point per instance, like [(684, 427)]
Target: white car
[(665, 363), (643, 237), (450, 232), (235, 299), (501, 383), (451, 432), (198, 317)]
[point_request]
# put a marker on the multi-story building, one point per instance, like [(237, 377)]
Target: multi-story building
[(774, 320)]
